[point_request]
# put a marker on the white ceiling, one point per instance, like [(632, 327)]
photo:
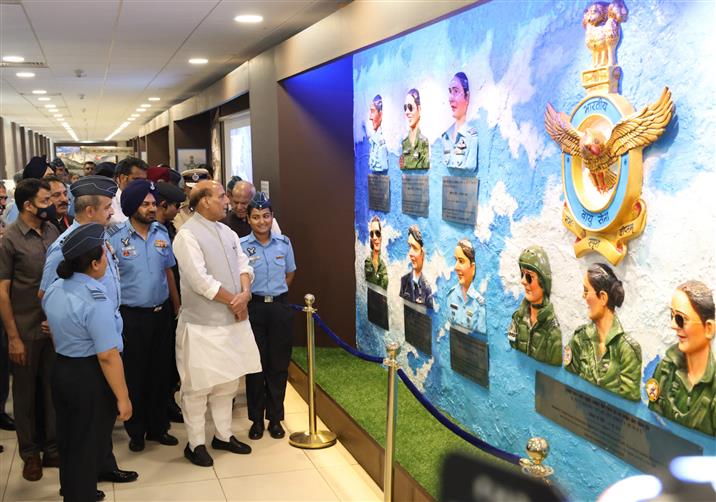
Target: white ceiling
[(130, 50)]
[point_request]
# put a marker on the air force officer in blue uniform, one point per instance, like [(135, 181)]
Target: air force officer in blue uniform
[(145, 266), (271, 257), (88, 387)]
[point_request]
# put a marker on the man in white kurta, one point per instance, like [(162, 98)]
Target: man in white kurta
[(215, 345)]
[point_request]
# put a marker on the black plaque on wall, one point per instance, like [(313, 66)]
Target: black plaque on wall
[(469, 355), (379, 192), (460, 199), (416, 194), (418, 327), (377, 306), (641, 444)]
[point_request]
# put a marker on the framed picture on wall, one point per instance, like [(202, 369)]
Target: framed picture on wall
[(190, 158)]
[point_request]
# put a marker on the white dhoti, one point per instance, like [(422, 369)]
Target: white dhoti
[(210, 361)]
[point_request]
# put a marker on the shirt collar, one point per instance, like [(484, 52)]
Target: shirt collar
[(25, 228), (679, 360), (88, 281)]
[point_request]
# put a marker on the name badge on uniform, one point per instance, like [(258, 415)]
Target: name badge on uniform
[(280, 257), (161, 244), (253, 258), (129, 251)]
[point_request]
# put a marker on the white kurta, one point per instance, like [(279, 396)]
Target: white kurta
[(211, 347), (118, 216)]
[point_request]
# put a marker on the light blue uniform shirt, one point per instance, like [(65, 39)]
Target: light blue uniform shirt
[(11, 214), (271, 263), (468, 313), (142, 264), (82, 319), (461, 153), (378, 158), (110, 281)]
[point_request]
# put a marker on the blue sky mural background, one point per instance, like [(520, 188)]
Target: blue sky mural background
[(518, 56)]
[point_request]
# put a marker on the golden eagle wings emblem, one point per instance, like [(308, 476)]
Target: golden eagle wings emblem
[(598, 153)]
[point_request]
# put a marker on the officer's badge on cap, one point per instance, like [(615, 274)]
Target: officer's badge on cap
[(94, 185), (260, 201), (194, 176), (82, 239), (133, 195)]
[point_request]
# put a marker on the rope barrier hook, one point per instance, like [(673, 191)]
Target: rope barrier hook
[(312, 439)]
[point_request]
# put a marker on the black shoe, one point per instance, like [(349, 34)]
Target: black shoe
[(136, 444), (257, 430), (276, 430), (174, 413), (118, 476), (100, 495), (233, 445), (199, 456), (164, 438), (6, 422)]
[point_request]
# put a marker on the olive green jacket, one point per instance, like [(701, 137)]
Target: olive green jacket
[(378, 277), (543, 341), (416, 156), (694, 407), (618, 370)]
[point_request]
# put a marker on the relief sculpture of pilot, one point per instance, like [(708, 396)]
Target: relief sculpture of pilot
[(467, 306), (375, 270), (600, 351), (534, 329), (378, 156), (459, 142), (683, 387), (413, 286), (415, 147)]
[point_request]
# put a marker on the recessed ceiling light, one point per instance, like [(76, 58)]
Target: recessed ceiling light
[(140, 110), (198, 61), (249, 18), (13, 59), (131, 119), (50, 106), (25, 74), (134, 115), (57, 115), (39, 91), (145, 105), (154, 98), (44, 99)]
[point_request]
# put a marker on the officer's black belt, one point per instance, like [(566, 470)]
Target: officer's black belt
[(156, 308), (269, 299)]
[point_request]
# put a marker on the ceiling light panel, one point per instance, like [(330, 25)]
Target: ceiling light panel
[(248, 18)]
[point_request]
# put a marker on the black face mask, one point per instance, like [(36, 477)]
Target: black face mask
[(46, 213)]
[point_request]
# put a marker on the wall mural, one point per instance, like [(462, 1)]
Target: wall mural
[(492, 229)]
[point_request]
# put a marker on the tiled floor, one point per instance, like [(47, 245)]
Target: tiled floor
[(273, 471)]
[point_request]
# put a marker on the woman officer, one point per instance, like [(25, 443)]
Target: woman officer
[(88, 386), (271, 257)]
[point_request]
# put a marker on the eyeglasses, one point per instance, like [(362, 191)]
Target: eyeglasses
[(374, 233), (680, 319), (527, 276), (408, 107)]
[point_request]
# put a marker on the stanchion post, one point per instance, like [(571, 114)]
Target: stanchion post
[(391, 362), (312, 438), (537, 451)]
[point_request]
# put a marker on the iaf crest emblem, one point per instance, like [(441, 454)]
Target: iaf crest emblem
[(602, 142)]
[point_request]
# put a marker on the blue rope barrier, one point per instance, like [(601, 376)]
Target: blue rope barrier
[(344, 345), (477, 442), (473, 440)]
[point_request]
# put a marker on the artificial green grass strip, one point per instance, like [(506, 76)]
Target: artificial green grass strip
[(361, 387)]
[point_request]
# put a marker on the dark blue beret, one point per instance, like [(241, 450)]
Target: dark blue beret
[(94, 185), (133, 195), (82, 239)]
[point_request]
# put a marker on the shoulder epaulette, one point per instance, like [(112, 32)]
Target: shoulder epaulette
[(97, 294), (112, 230)]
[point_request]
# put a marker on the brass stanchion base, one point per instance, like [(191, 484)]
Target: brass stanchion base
[(308, 441)]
